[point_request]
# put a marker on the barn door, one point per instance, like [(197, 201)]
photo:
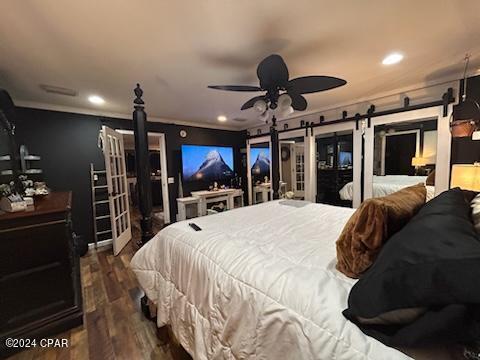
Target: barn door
[(117, 188)]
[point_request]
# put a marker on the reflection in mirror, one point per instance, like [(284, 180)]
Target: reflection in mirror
[(260, 170), (334, 159), (292, 168), (404, 155)]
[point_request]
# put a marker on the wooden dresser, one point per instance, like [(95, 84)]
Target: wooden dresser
[(40, 290)]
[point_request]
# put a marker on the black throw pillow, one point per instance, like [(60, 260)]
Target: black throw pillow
[(432, 263)]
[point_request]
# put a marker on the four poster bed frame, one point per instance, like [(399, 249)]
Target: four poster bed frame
[(141, 145), (309, 129)]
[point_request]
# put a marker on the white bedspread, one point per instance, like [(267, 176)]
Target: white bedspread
[(256, 283), (388, 184)]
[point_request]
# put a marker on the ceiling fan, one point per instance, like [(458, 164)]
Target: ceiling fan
[(282, 95)]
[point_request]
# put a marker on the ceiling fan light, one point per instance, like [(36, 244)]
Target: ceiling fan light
[(260, 106), (284, 102), (264, 116), (286, 111)]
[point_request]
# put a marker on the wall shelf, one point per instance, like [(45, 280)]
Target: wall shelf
[(26, 172)]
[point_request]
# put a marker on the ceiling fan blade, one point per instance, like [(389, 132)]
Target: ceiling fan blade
[(235, 87), (251, 102), (311, 84), (272, 72), (298, 101)]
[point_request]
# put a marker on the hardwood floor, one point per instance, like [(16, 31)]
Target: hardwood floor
[(114, 326)]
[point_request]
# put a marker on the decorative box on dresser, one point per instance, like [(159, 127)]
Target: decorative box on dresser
[(40, 289)]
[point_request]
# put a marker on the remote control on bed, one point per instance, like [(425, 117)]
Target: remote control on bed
[(195, 226)]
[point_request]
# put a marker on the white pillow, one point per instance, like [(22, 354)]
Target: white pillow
[(475, 204)]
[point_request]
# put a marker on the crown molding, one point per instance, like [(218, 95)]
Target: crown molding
[(126, 117)]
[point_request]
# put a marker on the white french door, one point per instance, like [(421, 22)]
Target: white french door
[(117, 188), (299, 171)]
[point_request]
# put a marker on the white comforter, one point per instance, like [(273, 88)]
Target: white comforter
[(388, 184), (257, 282)]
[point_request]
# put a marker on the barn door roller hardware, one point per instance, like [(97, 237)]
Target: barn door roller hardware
[(447, 99)]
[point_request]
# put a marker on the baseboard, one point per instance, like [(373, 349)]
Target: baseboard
[(100, 244)]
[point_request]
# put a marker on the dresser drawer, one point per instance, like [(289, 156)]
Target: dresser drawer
[(46, 243), (48, 288)]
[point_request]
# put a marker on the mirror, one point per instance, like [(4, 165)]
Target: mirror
[(260, 171), (404, 154), (292, 168), (334, 167)]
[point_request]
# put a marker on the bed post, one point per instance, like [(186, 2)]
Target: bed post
[(275, 158), (144, 184)]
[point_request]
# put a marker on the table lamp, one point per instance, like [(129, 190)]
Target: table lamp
[(419, 161), (466, 176)]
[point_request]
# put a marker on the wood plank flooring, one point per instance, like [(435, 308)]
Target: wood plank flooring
[(114, 326)]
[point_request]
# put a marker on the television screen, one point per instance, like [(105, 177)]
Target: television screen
[(260, 158), (207, 163), (344, 158)]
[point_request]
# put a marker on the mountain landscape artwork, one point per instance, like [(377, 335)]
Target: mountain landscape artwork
[(261, 166), (207, 163)]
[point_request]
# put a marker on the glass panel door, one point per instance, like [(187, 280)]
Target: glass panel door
[(260, 171), (404, 154), (292, 168), (334, 168)]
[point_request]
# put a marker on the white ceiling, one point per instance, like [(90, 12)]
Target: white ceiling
[(176, 48)]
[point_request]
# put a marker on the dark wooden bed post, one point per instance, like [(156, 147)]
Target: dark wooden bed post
[(144, 184), (275, 159)]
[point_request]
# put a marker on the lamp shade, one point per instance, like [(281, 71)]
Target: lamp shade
[(419, 161), (466, 176), (464, 119)]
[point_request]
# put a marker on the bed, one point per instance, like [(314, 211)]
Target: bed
[(388, 184), (256, 282)]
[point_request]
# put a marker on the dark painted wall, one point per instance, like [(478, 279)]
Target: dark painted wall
[(4, 150), (67, 143), (466, 150)]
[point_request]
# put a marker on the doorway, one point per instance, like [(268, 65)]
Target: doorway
[(400, 148), (338, 164), (158, 177), (292, 168)]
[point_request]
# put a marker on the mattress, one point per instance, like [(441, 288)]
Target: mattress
[(388, 184), (256, 282)]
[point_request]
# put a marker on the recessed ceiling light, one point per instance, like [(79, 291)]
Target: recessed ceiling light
[(95, 99), (222, 118), (392, 58)]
